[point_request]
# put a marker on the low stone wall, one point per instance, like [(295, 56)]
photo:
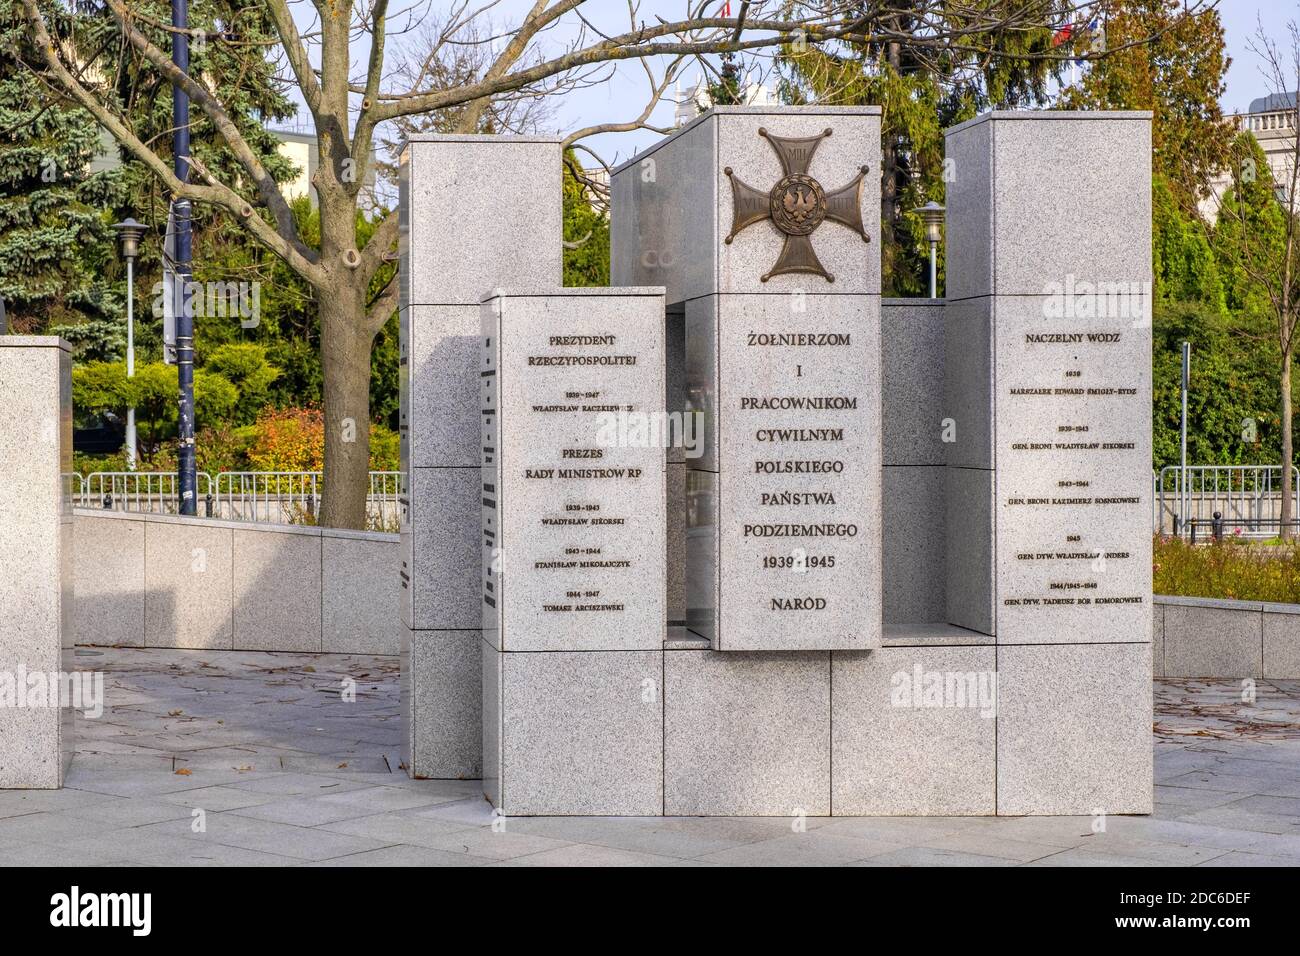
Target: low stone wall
[(158, 581), (1206, 637)]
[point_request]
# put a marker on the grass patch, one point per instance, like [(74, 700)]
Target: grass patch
[(1230, 570)]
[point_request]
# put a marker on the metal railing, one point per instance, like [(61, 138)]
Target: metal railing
[(1248, 498), (154, 492), (277, 497)]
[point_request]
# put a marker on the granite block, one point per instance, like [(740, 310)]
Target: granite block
[(675, 377), (442, 547), (912, 365), (1282, 646), (913, 731), (360, 594), (443, 706), (968, 410), (277, 590), (701, 383), (36, 602), (189, 581), (913, 555), (671, 205), (968, 196), (797, 418), (109, 585), (1213, 642), (969, 584), (1072, 447), (1016, 176), (1074, 729), (836, 161), (675, 480), (746, 734), (490, 684), (581, 733), (663, 215), (442, 394), (1157, 640), (450, 187), (573, 481), (1091, 170), (702, 578)]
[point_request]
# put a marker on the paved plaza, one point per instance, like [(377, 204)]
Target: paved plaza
[(292, 760)]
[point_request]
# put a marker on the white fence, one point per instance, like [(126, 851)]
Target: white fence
[(275, 497), (1248, 499)]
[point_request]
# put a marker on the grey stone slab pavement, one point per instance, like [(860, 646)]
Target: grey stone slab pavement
[(1225, 773)]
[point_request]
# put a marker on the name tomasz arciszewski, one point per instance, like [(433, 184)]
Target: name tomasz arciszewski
[(102, 909)]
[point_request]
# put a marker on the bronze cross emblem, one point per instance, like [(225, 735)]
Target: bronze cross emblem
[(797, 205)]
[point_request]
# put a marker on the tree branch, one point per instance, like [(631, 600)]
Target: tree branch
[(215, 194)]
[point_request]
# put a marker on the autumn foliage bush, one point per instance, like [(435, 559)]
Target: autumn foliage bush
[(288, 439), (1230, 569), (293, 439)]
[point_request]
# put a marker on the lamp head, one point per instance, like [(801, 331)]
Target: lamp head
[(129, 233), (932, 215)]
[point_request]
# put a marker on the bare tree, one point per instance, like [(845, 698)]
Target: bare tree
[(1262, 229), (452, 83)]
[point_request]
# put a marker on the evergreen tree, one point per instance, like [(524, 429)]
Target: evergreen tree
[(56, 244), (921, 92), (586, 231)]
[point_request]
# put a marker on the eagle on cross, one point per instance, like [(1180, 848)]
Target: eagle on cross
[(796, 205)]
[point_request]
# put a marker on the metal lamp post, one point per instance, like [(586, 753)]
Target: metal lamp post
[(932, 216), (130, 233)]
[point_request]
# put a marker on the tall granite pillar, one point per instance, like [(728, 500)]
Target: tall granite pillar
[(477, 212), (762, 225), (36, 634), (1048, 338), (574, 587)]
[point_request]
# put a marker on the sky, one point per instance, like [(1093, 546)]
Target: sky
[(1241, 19), (624, 96), (621, 95)]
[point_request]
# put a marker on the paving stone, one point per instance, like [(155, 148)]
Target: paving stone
[(396, 828), (581, 854), (402, 856), (495, 845), (1229, 799), (930, 856), (302, 843), (802, 849), (304, 811)]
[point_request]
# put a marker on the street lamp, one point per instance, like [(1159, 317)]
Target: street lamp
[(130, 233), (932, 216)]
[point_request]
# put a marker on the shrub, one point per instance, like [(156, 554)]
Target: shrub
[(288, 439), (1232, 569)]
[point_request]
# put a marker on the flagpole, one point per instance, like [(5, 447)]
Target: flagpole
[(185, 316)]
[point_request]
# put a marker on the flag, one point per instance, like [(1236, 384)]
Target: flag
[(726, 9), (1063, 35)]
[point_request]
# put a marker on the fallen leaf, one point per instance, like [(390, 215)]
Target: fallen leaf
[(343, 765), (309, 669), (174, 713), (184, 772)]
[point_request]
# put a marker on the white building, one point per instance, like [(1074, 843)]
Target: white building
[(1272, 121), (694, 101), (297, 145)]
